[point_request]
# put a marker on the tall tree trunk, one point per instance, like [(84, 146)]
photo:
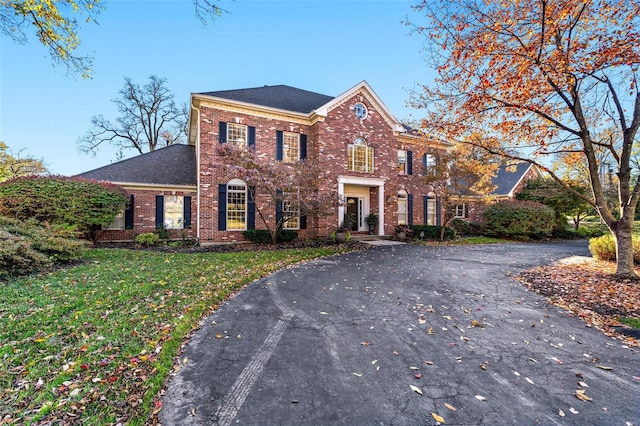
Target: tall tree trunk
[(624, 249)]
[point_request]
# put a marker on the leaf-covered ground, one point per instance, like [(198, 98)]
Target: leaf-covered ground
[(589, 291)]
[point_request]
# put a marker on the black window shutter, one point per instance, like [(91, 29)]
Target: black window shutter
[(303, 222), (410, 209), (222, 207), (425, 208), (424, 164), (279, 145), (466, 210), (186, 213), (409, 162), (159, 211), (222, 132), (128, 214), (303, 148), (251, 208), (438, 222), (252, 137)]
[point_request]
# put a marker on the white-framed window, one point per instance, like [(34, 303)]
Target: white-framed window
[(402, 207), (118, 222), (236, 205), (429, 163), (173, 212), (290, 211), (460, 211), (431, 209), (237, 134), (290, 147), (360, 156), (402, 162)]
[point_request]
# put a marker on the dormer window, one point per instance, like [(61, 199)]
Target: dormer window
[(360, 156)]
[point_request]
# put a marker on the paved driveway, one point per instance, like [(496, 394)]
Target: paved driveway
[(393, 334)]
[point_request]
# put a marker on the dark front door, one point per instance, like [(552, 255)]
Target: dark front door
[(352, 213)]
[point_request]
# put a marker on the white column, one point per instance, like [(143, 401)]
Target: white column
[(341, 205), (381, 210)]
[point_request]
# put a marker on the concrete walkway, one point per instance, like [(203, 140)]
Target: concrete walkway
[(397, 334)]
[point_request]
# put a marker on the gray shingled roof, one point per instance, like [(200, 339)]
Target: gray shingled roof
[(172, 165), (506, 180), (282, 97)]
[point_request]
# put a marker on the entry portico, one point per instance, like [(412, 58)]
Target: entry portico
[(359, 191)]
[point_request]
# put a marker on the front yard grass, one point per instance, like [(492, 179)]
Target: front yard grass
[(92, 344)]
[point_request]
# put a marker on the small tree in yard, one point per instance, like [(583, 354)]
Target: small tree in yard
[(556, 78), (457, 175), (274, 183), (563, 202), (84, 205)]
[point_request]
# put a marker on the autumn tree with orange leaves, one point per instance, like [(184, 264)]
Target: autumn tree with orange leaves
[(551, 78)]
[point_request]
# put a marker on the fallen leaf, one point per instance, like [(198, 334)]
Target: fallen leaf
[(358, 374), (450, 407), (430, 331), (431, 363), (476, 323), (581, 394), (604, 367), (418, 376), (416, 389), (529, 380), (561, 413), (413, 368), (483, 365), (437, 418), (323, 313), (480, 398), (573, 410), (374, 362), (583, 384), (364, 343)]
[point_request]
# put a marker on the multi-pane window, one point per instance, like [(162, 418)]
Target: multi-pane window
[(290, 147), (236, 205), (429, 163), (431, 209), (461, 210), (173, 212), (402, 162), (402, 208), (360, 156), (237, 134), (290, 211), (118, 222)]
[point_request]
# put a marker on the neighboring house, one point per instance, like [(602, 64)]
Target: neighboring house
[(508, 180), (370, 159)]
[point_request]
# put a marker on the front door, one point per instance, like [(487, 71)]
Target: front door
[(353, 213)]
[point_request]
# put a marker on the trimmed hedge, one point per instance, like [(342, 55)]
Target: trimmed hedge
[(432, 232), (263, 236), (27, 247), (604, 248), (518, 220)]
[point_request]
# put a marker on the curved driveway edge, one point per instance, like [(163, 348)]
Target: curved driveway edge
[(393, 334)]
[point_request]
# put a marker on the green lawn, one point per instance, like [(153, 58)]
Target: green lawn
[(92, 344)]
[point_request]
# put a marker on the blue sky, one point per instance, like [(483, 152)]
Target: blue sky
[(321, 46)]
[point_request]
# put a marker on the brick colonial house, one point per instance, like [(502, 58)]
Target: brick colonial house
[(372, 161)]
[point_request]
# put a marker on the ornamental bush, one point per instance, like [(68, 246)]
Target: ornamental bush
[(431, 232), (604, 248), (148, 239), (518, 220), (27, 247), (73, 203)]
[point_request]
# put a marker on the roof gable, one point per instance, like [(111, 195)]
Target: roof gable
[(366, 90), (281, 97), (171, 165), (508, 176)]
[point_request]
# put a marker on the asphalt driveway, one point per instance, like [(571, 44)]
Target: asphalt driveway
[(393, 334)]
